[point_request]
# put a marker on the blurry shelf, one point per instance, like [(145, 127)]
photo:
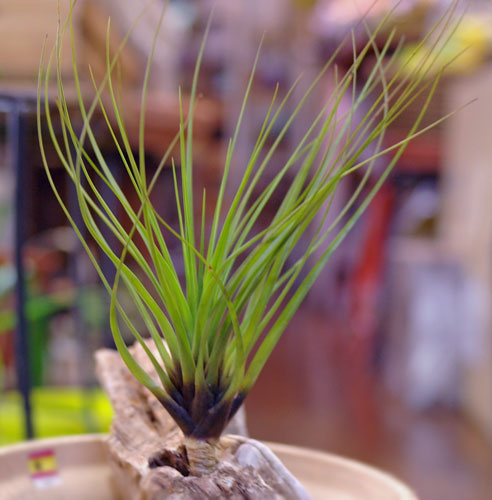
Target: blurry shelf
[(162, 125)]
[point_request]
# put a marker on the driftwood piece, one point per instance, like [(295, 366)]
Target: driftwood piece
[(149, 460)]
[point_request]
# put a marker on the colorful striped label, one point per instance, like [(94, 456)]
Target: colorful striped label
[(43, 468)]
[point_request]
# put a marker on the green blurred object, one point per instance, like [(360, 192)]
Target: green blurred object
[(56, 412), (39, 311)]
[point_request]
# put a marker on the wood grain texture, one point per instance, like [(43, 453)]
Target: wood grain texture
[(149, 461)]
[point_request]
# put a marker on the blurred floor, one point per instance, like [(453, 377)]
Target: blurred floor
[(306, 396)]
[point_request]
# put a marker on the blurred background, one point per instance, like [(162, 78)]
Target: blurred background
[(389, 360)]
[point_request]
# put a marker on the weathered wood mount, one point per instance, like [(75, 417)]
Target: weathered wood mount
[(149, 460)]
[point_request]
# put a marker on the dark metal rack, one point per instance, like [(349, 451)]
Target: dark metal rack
[(18, 106)]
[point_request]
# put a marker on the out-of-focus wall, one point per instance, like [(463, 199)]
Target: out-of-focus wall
[(24, 24), (467, 222)]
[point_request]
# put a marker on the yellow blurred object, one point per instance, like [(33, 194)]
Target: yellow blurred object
[(57, 411), (468, 48), (305, 4)]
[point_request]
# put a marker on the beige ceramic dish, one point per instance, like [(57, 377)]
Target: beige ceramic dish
[(76, 468)]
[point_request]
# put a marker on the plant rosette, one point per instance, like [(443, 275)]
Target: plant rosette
[(213, 328)]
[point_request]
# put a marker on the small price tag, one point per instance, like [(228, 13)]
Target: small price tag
[(43, 469)]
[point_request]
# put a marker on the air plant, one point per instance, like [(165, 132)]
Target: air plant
[(214, 329)]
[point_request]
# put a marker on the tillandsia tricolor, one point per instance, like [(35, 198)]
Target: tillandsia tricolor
[(215, 328)]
